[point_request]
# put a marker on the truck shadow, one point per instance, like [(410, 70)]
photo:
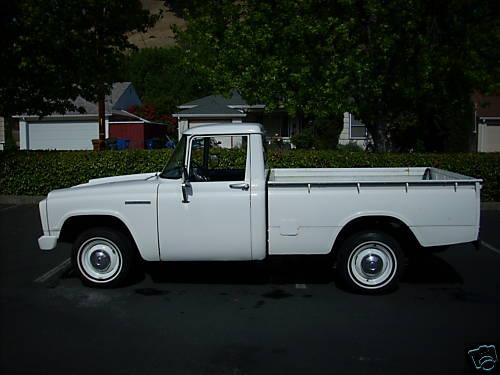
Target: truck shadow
[(275, 270), (422, 269), (430, 269)]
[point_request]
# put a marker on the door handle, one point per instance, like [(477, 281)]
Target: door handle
[(242, 186)]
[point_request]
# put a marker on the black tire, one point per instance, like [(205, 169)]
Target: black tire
[(370, 262), (93, 248)]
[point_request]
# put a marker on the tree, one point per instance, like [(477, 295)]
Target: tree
[(163, 80), (392, 64), (57, 50), (151, 113)]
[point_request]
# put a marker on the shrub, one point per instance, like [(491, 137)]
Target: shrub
[(38, 172), (304, 140), (351, 146)]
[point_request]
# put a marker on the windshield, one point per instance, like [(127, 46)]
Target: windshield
[(173, 169)]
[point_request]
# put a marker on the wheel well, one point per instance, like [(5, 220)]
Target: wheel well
[(390, 225), (75, 225)]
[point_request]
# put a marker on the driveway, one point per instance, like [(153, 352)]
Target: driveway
[(286, 316)]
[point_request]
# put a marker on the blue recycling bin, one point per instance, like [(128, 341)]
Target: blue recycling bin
[(122, 144), (170, 144)]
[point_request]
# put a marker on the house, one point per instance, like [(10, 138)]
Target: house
[(487, 123), (353, 131), (235, 109), (74, 130)]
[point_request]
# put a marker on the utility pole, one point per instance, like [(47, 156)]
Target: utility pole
[(101, 105)]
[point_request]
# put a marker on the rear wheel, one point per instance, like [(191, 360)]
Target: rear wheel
[(103, 257), (370, 262)]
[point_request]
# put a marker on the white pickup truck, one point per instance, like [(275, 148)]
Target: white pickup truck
[(216, 200)]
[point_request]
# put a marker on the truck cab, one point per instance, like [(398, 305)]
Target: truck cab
[(212, 194)]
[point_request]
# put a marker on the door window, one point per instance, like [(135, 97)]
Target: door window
[(218, 158)]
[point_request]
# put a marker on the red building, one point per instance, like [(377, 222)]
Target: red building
[(137, 130)]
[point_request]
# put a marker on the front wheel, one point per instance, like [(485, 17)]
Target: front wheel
[(370, 262), (102, 257)]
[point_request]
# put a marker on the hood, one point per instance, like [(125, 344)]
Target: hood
[(124, 178)]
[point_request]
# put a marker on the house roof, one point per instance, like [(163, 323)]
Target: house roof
[(216, 106), (112, 101), (210, 108), (234, 99), (122, 96)]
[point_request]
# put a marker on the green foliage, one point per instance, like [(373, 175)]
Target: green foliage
[(320, 134), (52, 51), (304, 139), (383, 61), (350, 147), (37, 173), (163, 80)]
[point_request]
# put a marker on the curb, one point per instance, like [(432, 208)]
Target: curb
[(21, 199), (35, 199), (493, 206)]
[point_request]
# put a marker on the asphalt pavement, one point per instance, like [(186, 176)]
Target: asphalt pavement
[(284, 316)]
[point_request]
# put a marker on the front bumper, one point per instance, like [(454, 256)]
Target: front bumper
[(47, 242)]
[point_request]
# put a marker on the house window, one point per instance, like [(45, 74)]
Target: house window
[(357, 130)]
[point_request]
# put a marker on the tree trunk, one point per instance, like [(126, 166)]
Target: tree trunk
[(102, 122), (377, 131)]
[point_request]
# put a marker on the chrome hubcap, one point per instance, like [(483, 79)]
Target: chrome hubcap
[(372, 264), (99, 259)]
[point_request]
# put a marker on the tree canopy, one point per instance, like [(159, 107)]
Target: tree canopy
[(52, 51), (163, 80), (406, 68)]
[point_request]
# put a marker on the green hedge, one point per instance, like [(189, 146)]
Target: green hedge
[(38, 172)]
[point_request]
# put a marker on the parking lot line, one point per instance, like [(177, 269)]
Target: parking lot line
[(491, 247), (7, 208), (65, 265)]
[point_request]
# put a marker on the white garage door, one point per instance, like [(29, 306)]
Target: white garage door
[(75, 135)]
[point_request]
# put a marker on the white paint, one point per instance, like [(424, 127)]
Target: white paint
[(345, 135), (307, 208), (66, 135), (220, 214), (23, 135), (108, 198), (47, 243), (325, 200), (488, 137), (106, 128), (60, 268), (182, 127)]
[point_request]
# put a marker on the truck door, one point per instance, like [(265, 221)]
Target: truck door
[(213, 223)]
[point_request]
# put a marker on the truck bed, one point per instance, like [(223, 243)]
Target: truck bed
[(329, 176), (307, 208)]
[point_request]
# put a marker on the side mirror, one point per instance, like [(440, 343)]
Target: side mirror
[(185, 185)]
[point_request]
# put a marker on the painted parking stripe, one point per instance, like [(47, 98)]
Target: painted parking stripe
[(7, 208), (300, 286), (57, 270), (491, 247)]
